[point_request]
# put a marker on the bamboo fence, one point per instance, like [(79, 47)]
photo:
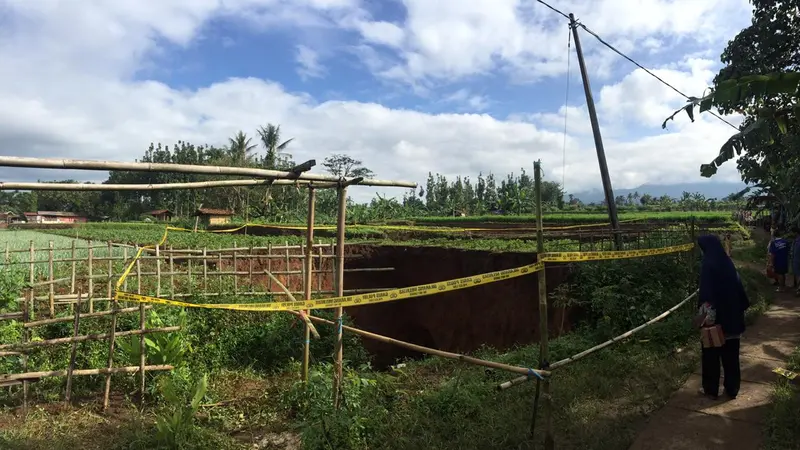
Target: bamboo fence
[(67, 286)]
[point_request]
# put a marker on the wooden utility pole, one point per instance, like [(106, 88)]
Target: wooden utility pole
[(598, 139), (544, 348)]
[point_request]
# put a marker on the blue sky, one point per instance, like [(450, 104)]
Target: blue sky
[(408, 87)]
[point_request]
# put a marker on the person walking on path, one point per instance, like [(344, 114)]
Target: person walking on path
[(722, 302), (779, 258)]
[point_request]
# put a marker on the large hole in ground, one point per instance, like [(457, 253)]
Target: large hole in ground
[(498, 315)]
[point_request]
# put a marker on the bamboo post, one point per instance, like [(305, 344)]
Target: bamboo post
[(205, 270), (142, 320), (110, 282), (189, 274), (235, 270), (74, 351), (319, 270), (340, 228), (91, 280), (309, 267), (250, 267), (171, 273), (158, 271), (25, 338), (50, 278), (269, 268), (124, 261), (32, 264), (287, 265), (220, 280), (72, 280), (543, 323)]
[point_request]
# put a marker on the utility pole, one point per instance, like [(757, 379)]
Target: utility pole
[(598, 139)]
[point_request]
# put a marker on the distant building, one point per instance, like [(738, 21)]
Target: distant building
[(54, 217), (9, 217), (163, 215), (211, 216)]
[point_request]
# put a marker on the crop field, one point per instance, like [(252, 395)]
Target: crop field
[(582, 217)]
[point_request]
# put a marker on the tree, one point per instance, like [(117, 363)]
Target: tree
[(271, 140), (240, 149), (760, 81), (347, 167)]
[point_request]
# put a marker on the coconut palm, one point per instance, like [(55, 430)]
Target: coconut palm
[(271, 139), (240, 149)]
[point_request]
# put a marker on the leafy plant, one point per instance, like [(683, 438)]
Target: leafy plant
[(176, 425)]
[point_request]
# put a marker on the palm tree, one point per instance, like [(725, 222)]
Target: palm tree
[(271, 139), (240, 149)]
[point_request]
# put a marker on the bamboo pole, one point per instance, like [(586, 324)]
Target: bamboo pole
[(26, 333), (39, 323), (235, 269), (158, 271), (50, 278), (219, 271), (74, 351), (32, 261), (269, 267), (433, 351), (91, 279), (142, 347), (125, 260), (295, 177), (320, 271), (86, 337), (250, 266), (28, 186), (603, 345), (72, 280), (109, 288), (111, 344), (544, 327), (205, 270), (171, 273), (80, 372), (287, 265), (309, 267), (191, 280), (302, 315), (340, 233)]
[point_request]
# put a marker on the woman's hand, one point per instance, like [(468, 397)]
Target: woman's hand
[(699, 320)]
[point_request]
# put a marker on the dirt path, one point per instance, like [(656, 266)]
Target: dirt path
[(689, 421)]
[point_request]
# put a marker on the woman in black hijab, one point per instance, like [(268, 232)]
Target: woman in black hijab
[(722, 301)]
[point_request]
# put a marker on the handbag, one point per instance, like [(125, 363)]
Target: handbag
[(712, 337)]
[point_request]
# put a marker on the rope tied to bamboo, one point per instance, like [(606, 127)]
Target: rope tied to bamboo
[(534, 374)]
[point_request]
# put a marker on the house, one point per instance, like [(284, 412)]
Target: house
[(54, 217), (210, 216), (163, 215), (7, 218)]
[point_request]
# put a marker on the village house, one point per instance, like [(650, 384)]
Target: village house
[(9, 217), (210, 216), (54, 217), (163, 215)]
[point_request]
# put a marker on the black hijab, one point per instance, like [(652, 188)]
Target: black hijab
[(721, 287)]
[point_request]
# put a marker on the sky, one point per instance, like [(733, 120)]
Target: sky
[(456, 87)]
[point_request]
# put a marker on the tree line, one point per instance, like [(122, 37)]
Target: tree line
[(439, 196)]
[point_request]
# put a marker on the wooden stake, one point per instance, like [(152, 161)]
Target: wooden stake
[(124, 261), (205, 270), (109, 288), (158, 271), (191, 280), (91, 280), (219, 270), (74, 352), (142, 320), (26, 333), (309, 268), (319, 271), (171, 273), (72, 280), (269, 267), (543, 323), (250, 267), (50, 278), (340, 228), (32, 261), (235, 271), (287, 265)]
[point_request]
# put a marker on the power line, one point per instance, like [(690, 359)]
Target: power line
[(614, 49)]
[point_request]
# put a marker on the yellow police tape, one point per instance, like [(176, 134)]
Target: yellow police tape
[(404, 293)]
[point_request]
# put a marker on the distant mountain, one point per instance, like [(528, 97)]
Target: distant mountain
[(709, 190)]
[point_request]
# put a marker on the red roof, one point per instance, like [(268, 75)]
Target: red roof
[(214, 212), (54, 214), (158, 212)]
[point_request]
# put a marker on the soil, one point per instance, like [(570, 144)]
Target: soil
[(499, 315)]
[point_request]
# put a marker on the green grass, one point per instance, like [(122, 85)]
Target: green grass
[(781, 431)]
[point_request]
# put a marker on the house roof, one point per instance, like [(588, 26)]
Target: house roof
[(214, 212), (158, 212), (59, 214)]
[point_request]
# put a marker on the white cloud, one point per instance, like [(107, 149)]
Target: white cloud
[(308, 62), (467, 100), (68, 91)]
